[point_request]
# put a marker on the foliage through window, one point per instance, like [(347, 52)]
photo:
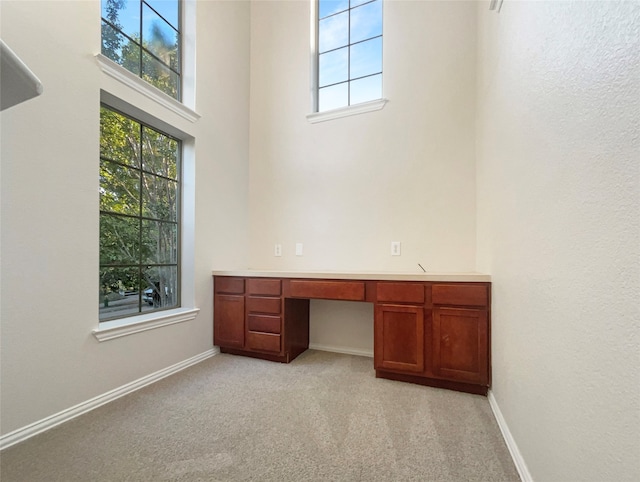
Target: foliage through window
[(144, 37), (139, 217), (349, 52)]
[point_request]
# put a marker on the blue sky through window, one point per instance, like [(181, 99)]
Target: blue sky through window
[(350, 52), (129, 14)]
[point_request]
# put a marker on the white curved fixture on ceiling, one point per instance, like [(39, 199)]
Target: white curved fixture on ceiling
[(17, 82)]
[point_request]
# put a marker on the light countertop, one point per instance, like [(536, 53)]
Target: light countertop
[(360, 275)]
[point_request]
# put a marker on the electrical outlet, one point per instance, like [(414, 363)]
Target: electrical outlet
[(395, 248), (278, 250), (298, 249)]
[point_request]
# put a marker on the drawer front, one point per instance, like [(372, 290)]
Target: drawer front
[(263, 342), (256, 304), (263, 323), (223, 284), (400, 292), (264, 286), (328, 290), (461, 295)]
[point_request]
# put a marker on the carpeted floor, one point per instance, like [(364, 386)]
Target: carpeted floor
[(324, 417)]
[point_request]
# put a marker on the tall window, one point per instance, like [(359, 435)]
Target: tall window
[(349, 52), (144, 37), (139, 217)]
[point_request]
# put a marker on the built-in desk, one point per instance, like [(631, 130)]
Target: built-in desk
[(432, 329)]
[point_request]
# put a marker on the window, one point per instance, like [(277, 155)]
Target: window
[(144, 37), (349, 45), (140, 171)]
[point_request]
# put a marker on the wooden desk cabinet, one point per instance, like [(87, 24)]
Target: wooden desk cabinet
[(430, 333)]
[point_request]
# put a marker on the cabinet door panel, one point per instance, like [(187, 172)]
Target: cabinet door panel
[(460, 344), (399, 338), (228, 321)]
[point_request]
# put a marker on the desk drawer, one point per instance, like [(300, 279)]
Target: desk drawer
[(263, 323), (256, 304), (264, 287), (229, 285), (400, 292), (328, 290), (263, 342), (462, 295)]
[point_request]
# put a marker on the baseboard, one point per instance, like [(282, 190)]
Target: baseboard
[(47, 423), (340, 349), (518, 460)]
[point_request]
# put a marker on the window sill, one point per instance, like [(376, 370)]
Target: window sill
[(129, 79), (346, 111), (109, 330)]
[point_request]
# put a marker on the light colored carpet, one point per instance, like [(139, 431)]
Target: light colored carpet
[(323, 417)]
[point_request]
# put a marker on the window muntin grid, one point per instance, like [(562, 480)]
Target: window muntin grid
[(144, 37), (349, 60), (140, 180)]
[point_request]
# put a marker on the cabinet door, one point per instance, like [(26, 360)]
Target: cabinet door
[(228, 321), (460, 344), (399, 338)]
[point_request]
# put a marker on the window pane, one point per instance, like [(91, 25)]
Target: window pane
[(333, 32), (159, 75), (369, 88), (329, 7), (333, 97), (167, 8), (366, 21), (132, 248), (159, 38), (119, 189), (121, 50), (124, 15), (355, 3), (119, 293), (112, 43), (159, 198), (161, 286), (159, 153), (159, 242), (119, 240), (333, 67), (119, 138), (366, 58)]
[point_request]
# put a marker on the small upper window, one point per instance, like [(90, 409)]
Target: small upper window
[(144, 37), (349, 52)]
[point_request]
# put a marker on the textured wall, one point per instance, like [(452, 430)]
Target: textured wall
[(49, 268), (558, 229)]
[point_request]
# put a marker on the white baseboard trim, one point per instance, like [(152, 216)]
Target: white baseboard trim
[(340, 349), (518, 460), (47, 423)]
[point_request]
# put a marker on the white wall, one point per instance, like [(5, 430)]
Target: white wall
[(558, 229), (50, 361), (346, 188)]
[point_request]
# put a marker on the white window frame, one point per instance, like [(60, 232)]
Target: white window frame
[(315, 116), (127, 93)]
